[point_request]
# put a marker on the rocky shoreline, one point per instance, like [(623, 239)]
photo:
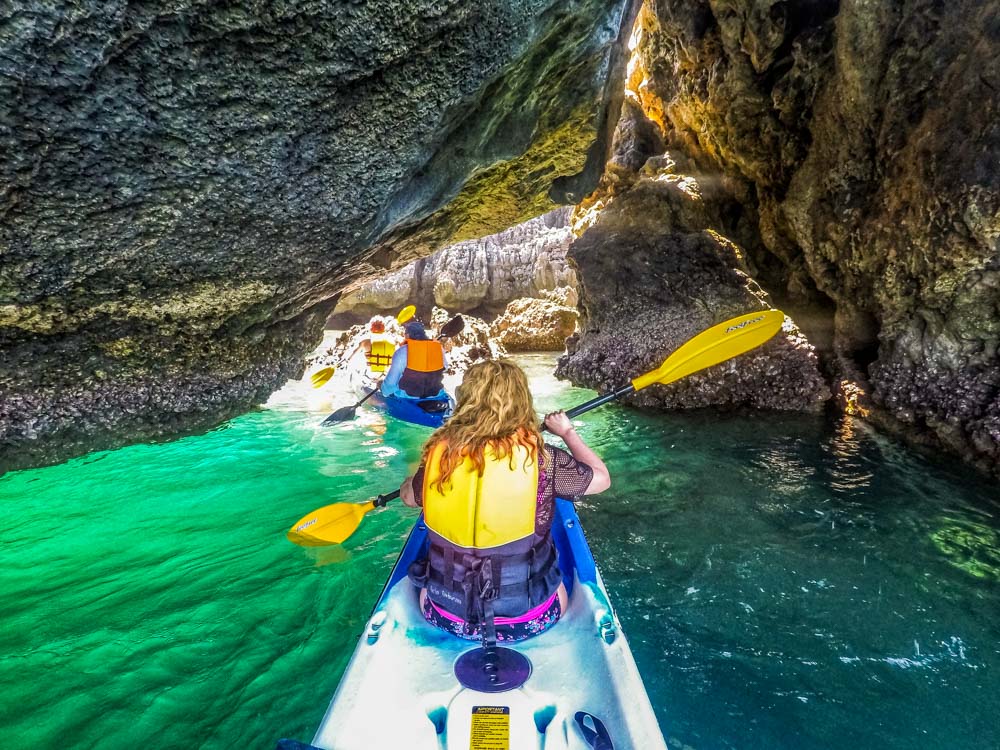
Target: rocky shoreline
[(655, 273)]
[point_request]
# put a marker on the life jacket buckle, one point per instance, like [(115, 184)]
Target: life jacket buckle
[(487, 590)]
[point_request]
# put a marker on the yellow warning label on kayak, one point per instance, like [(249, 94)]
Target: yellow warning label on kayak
[(490, 728)]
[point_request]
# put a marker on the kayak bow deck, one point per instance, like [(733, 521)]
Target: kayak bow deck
[(400, 688)]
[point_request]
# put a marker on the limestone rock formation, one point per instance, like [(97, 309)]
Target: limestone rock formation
[(860, 143), (537, 324), (478, 276), (655, 273), (185, 186), (379, 296), (472, 345)]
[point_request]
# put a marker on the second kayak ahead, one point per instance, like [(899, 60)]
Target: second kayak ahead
[(578, 689), (430, 412)]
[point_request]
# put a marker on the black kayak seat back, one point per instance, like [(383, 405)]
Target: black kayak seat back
[(433, 407)]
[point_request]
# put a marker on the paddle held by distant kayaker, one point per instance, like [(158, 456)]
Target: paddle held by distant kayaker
[(487, 484)]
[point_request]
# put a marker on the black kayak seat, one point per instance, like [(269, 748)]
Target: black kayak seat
[(433, 407)]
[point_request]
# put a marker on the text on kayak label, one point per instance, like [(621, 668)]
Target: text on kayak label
[(490, 728)]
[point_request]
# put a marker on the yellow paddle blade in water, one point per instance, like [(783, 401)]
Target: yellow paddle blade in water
[(331, 524), (714, 345), (321, 377)]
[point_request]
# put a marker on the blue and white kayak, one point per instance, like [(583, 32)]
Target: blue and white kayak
[(430, 412), (584, 691)]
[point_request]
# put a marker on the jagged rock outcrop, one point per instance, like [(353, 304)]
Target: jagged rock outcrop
[(538, 324), (860, 142), (479, 276), (185, 185), (655, 272), (472, 345)]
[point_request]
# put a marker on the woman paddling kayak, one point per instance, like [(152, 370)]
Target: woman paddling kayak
[(575, 686), (487, 484), (418, 366)]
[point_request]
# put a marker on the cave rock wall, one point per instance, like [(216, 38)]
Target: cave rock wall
[(480, 276), (185, 185), (655, 272), (862, 139)]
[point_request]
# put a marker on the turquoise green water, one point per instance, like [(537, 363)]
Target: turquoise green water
[(785, 581)]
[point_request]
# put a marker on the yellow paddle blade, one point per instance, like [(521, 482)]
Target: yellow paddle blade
[(331, 524), (714, 345), (321, 377), (406, 313)]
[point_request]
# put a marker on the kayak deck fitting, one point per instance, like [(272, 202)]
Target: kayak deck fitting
[(584, 691)]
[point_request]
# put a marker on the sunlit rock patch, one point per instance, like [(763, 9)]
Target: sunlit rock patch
[(537, 324), (973, 548)]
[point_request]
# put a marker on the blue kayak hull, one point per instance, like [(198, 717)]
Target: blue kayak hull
[(409, 410)]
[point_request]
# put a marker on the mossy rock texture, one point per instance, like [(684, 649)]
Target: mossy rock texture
[(186, 185), (861, 141)]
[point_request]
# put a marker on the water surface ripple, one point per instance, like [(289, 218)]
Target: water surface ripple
[(785, 581)]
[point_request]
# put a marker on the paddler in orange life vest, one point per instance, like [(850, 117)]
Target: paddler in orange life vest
[(417, 369), (487, 484), (378, 348)]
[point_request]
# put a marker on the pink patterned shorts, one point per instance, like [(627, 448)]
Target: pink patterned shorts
[(536, 621)]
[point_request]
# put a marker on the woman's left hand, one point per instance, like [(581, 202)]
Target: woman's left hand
[(406, 493)]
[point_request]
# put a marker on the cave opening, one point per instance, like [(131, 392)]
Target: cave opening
[(515, 287)]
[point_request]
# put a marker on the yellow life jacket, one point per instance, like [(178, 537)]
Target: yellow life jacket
[(380, 356), (482, 512), (484, 557)]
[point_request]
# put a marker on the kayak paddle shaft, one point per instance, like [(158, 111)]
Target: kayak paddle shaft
[(595, 402), (382, 500), (600, 401)]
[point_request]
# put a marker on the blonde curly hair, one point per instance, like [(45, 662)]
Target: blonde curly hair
[(494, 409)]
